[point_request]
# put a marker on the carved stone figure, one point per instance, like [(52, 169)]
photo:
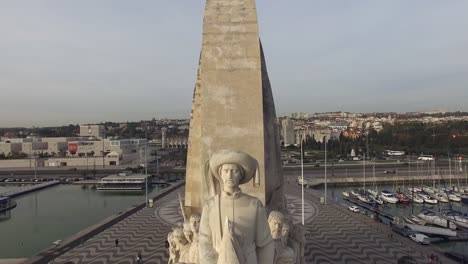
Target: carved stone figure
[(195, 226), (182, 245), (287, 256), (275, 222), (188, 231), (233, 226), (285, 234), (173, 254), (297, 242)]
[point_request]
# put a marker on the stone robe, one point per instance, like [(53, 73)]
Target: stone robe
[(250, 228)]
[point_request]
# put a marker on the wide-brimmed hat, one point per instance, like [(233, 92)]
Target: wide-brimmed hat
[(247, 162)]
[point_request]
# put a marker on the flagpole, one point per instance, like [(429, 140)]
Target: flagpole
[(302, 175)]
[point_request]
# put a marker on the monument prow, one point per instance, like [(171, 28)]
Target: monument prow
[(233, 105), (234, 172)]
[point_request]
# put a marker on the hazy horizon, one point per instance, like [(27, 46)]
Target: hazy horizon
[(89, 62)]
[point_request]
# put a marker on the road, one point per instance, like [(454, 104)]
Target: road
[(359, 172)]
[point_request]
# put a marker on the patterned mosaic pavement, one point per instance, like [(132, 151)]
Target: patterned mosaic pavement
[(334, 235)]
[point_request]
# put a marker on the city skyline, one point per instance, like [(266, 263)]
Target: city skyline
[(91, 62)]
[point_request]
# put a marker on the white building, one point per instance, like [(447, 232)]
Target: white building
[(96, 131), (288, 131)]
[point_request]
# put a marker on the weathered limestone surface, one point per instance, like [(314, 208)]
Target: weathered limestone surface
[(233, 104)]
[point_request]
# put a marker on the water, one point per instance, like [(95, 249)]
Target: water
[(408, 210), (57, 213)]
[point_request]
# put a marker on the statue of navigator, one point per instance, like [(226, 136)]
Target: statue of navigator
[(233, 226)]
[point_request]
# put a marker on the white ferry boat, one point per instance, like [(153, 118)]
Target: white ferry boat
[(124, 182)]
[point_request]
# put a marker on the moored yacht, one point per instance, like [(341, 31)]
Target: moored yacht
[(429, 190), (355, 193), (464, 199), (428, 199), (402, 198), (124, 181), (441, 197), (345, 193), (415, 198), (432, 218), (454, 198), (388, 197), (374, 192), (364, 199), (457, 217), (376, 199), (415, 189)]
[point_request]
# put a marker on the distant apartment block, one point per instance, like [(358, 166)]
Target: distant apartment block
[(288, 132), (97, 131), (73, 151)]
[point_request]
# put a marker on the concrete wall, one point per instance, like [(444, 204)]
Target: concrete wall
[(80, 162), (16, 163)]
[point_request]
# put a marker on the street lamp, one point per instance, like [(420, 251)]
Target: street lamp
[(146, 165)]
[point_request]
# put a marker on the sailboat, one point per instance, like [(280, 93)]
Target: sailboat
[(345, 193), (373, 191), (457, 217), (364, 195), (388, 197), (428, 198), (432, 218)]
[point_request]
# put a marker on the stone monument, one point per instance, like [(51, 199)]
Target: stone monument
[(233, 104), (234, 171)]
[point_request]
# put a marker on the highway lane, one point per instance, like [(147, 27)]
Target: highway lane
[(379, 172)]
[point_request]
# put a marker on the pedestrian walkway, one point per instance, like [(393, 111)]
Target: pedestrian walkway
[(333, 235)]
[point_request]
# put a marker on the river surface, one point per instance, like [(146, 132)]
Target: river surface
[(408, 210), (57, 213)]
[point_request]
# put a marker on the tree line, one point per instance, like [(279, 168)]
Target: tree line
[(415, 138)]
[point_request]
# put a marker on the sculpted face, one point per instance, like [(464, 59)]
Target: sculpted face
[(285, 231), (188, 231), (179, 237), (195, 223), (231, 175), (276, 227)]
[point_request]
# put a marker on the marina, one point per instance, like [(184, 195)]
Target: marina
[(29, 189), (56, 213), (408, 217)]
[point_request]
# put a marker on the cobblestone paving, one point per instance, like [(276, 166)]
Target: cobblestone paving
[(337, 235), (334, 235)]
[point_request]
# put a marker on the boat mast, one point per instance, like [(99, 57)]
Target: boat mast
[(302, 176), (412, 183), (373, 176), (450, 171), (146, 165), (325, 201), (466, 177), (364, 170)]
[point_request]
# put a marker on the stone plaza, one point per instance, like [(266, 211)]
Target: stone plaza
[(333, 235)]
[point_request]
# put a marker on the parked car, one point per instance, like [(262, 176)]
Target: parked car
[(426, 157), (354, 208), (420, 239)]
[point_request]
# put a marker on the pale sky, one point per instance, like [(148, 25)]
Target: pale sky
[(87, 61)]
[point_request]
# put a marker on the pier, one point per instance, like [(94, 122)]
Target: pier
[(30, 189), (369, 207)]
